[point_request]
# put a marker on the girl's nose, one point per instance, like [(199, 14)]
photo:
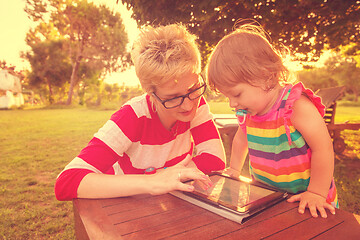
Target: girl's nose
[(232, 103)]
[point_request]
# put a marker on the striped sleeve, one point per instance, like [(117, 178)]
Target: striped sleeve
[(105, 149), (210, 152)]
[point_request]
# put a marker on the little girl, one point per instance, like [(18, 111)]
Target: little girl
[(281, 125)]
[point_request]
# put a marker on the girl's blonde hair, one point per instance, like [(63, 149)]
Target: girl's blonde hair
[(164, 53), (246, 56)]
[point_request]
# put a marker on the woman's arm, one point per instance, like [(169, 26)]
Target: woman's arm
[(96, 157), (307, 120), (210, 151), (95, 185), (107, 146), (210, 154), (86, 176)]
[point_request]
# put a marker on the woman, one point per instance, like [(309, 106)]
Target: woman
[(147, 145)]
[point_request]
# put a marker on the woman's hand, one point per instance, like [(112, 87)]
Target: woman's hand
[(172, 178), (314, 202)]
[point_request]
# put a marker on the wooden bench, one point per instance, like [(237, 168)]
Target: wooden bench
[(329, 96)]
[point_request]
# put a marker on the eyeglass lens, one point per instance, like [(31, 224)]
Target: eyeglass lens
[(171, 103)]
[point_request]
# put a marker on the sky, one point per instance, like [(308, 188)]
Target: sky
[(14, 24)]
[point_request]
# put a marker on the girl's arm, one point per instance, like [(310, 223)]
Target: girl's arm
[(239, 152), (308, 121)]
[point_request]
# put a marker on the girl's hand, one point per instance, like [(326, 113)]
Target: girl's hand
[(172, 178), (314, 202)]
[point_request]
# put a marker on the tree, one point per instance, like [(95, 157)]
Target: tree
[(339, 69), (4, 65), (346, 72), (305, 26), (316, 78), (95, 36), (50, 65)]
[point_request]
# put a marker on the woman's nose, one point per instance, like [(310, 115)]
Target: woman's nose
[(187, 104)]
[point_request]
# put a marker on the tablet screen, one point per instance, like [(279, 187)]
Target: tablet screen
[(234, 194)]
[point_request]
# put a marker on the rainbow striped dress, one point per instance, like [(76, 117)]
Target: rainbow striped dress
[(278, 154)]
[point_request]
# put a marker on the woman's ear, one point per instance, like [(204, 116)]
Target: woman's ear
[(152, 100)]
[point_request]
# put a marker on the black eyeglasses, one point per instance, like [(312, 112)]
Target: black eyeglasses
[(177, 101)]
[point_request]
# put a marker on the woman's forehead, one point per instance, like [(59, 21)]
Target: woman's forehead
[(178, 85)]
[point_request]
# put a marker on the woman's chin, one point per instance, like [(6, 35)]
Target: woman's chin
[(186, 116)]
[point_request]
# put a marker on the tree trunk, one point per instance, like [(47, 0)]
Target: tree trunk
[(356, 97), (73, 80), (51, 100)]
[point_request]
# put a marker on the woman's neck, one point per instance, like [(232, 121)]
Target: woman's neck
[(164, 117)]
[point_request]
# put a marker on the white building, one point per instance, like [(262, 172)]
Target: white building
[(10, 90)]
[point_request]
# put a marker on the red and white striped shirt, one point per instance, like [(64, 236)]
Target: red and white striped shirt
[(134, 139)]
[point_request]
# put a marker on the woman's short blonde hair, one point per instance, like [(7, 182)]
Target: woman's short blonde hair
[(164, 53), (246, 56)]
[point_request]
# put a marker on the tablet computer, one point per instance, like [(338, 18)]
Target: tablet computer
[(236, 195)]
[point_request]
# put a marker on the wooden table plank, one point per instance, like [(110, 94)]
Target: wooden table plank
[(108, 202), (165, 216), (123, 213), (349, 228), (309, 228), (225, 226), (150, 221), (266, 227), (94, 221), (175, 226), (208, 231)]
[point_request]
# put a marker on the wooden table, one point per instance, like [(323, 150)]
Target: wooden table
[(166, 216)]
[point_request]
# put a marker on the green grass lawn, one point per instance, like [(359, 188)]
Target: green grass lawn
[(37, 144)]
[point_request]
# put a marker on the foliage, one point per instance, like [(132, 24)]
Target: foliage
[(340, 69), (350, 65), (50, 65), (316, 78), (4, 65), (306, 26), (112, 96), (94, 37), (352, 50), (349, 75)]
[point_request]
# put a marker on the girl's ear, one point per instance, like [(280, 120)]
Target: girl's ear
[(270, 83)]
